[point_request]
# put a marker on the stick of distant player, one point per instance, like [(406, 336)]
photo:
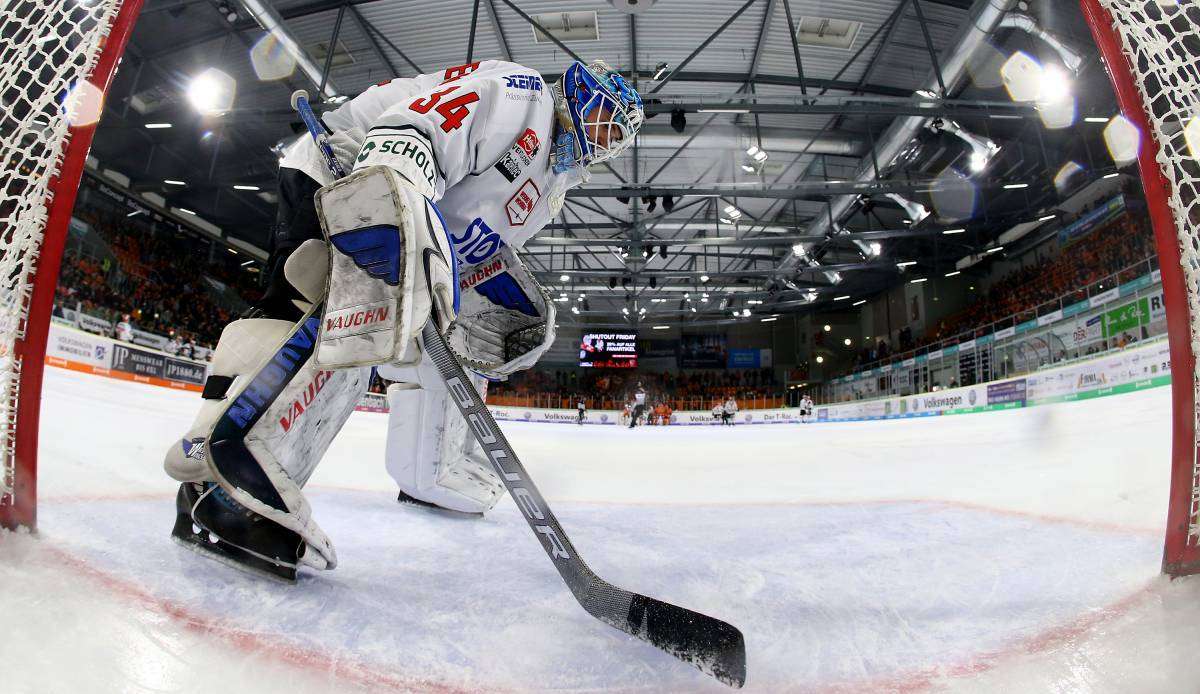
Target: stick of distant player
[(717, 648)]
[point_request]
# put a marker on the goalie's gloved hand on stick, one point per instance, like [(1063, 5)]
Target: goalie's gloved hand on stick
[(346, 145)]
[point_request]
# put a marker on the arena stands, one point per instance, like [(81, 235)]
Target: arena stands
[(170, 283), (1120, 244), (610, 389)]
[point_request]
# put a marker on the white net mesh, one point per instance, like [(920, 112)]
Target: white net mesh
[(47, 48), (1162, 42)]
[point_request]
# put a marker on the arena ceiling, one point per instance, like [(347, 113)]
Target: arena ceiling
[(687, 227)]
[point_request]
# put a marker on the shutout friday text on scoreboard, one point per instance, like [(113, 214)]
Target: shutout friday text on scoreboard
[(608, 350)]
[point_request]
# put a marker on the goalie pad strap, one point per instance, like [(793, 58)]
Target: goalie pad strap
[(216, 386)]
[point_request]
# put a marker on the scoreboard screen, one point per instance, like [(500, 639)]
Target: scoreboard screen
[(608, 350)]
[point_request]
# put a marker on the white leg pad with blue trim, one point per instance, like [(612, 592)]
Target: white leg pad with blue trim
[(431, 453), (391, 268)]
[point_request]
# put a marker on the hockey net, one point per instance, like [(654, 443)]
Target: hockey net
[(1152, 51), (57, 59)]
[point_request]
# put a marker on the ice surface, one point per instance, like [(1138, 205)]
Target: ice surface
[(1011, 551)]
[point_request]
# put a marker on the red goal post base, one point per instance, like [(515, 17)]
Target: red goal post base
[(1181, 551), (20, 506)]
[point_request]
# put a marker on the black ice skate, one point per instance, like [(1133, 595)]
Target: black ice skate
[(413, 501), (207, 521)]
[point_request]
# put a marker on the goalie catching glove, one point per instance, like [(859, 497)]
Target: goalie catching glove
[(506, 320)]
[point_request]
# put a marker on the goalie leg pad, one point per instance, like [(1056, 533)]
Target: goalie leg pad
[(276, 426), (431, 453), (243, 346), (392, 268), (506, 321)]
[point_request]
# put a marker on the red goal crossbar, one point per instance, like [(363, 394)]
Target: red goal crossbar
[(1181, 553)]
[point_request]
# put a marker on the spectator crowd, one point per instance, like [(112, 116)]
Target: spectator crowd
[(666, 390), (155, 280), (1104, 252)]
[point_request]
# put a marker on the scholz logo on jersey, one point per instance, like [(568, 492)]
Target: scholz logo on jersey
[(385, 145), (531, 83), (521, 204)]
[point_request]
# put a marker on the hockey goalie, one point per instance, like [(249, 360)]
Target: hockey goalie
[(450, 173)]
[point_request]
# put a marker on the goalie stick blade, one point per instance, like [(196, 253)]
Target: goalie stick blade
[(713, 646), (716, 647)]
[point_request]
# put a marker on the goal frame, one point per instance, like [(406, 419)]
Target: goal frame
[(1181, 551), (31, 350)]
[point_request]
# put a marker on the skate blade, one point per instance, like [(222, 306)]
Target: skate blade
[(406, 500), (279, 573)]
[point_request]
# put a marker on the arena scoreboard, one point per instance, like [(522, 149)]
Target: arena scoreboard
[(608, 350)]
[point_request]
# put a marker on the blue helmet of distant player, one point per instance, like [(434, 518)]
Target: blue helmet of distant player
[(605, 112)]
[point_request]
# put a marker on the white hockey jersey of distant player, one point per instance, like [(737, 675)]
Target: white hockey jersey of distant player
[(125, 331), (479, 136)]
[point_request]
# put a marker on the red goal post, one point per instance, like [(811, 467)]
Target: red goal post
[(57, 60), (1151, 49)]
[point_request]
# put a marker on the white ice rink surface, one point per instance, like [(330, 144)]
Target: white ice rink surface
[(1007, 552)]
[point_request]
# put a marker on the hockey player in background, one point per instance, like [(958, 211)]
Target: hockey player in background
[(452, 172), (728, 410), (639, 405), (582, 407), (806, 408)]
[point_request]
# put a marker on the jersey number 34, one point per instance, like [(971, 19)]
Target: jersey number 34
[(453, 111)]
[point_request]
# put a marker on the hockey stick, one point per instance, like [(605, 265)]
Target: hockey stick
[(715, 647)]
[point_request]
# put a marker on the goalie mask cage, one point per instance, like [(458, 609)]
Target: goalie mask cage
[(57, 60)]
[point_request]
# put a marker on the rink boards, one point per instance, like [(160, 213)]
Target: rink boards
[(1136, 368)]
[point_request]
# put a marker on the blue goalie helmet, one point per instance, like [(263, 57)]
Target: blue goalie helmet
[(605, 111)]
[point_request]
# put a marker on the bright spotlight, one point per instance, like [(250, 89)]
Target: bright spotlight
[(820, 359), (211, 92), (798, 248), (874, 249), (1055, 85)]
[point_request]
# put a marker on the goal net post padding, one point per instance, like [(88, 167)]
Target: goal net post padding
[(1151, 49), (57, 60)]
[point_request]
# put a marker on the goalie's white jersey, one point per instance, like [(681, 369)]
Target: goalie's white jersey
[(478, 138)]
